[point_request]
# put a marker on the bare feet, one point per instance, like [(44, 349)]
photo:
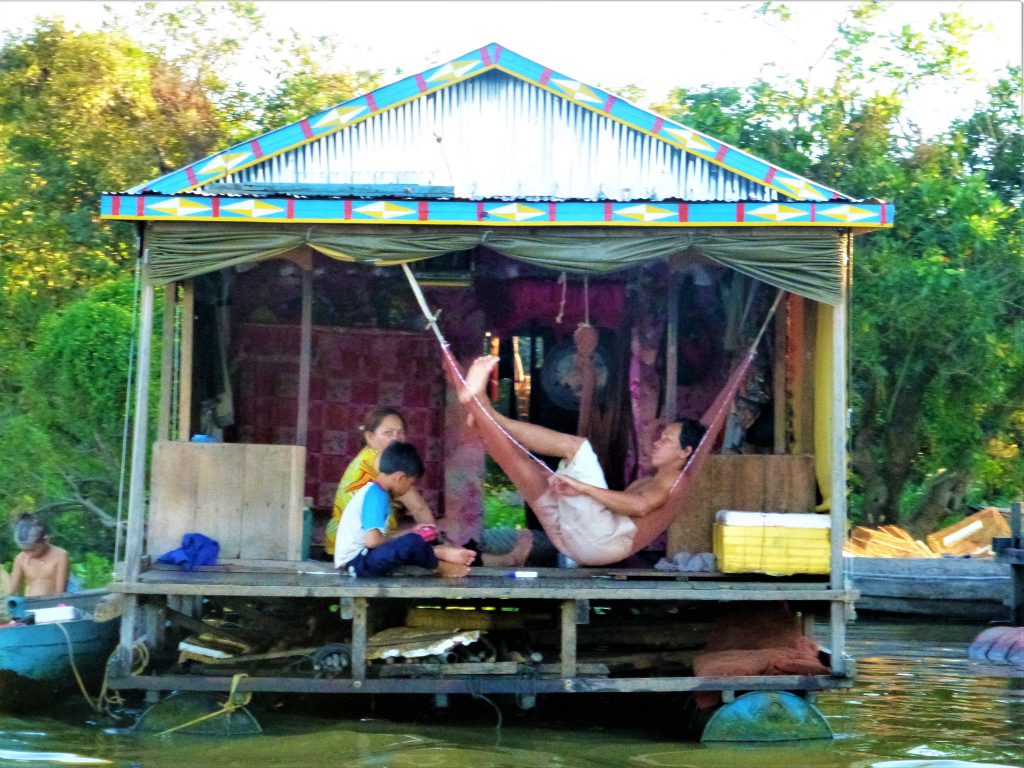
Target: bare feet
[(477, 376), (452, 554), (515, 556), (451, 570)]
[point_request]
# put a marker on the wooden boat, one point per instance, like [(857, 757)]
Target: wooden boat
[(36, 658), (959, 588)]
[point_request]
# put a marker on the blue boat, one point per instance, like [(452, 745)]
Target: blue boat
[(36, 659)]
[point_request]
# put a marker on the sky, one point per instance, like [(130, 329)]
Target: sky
[(612, 43)]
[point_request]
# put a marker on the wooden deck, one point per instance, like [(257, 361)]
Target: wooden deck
[(568, 593)]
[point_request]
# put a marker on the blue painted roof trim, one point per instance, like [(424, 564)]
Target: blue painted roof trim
[(490, 57)]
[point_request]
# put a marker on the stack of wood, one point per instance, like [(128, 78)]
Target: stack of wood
[(971, 536)]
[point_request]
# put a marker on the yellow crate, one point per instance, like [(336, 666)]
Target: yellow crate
[(777, 544)]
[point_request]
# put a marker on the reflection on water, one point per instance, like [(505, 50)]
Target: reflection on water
[(918, 703)]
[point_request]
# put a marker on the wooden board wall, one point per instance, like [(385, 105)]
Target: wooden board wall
[(247, 497), (754, 483)]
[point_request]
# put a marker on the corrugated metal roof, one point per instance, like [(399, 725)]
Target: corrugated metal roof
[(498, 137)]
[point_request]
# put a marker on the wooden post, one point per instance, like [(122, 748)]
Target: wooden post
[(358, 658), (188, 306), (136, 486), (163, 429), (779, 393), (305, 357), (838, 446), (568, 639), (671, 348)]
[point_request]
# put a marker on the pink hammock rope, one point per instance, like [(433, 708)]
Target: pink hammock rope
[(530, 475)]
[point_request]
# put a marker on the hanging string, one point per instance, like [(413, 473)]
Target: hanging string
[(561, 305)]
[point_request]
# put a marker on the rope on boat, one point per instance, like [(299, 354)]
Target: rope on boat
[(104, 701), (232, 703)]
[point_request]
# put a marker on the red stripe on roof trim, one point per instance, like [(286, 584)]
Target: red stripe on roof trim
[(423, 210), (545, 76), (348, 209), (552, 212), (770, 176), (739, 212), (257, 150), (190, 174), (485, 56), (115, 206), (607, 211), (814, 211), (140, 206), (721, 153), (215, 206), (371, 102), (497, 53), (658, 122), (289, 209), (480, 212), (608, 103), (307, 129), (684, 211), (421, 83), (883, 213)]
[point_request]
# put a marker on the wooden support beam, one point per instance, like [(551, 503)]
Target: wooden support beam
[(305, 357), (568, 646), (779, 376), (188, 308), (668, 413), (359, 621), (163, 428)]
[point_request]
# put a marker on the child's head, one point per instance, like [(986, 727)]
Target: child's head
[(381, 427), (401, 462), (690, 433), (29, 531)]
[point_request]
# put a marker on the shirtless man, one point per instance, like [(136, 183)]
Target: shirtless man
[(40, 567), (584, 518)]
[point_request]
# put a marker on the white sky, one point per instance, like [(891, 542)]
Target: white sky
[(611, 43)]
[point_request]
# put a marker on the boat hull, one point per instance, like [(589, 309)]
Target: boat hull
[(958, 588), (36, 659)]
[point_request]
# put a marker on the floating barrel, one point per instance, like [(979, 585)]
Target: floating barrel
[(767, 716), (1002, 645)]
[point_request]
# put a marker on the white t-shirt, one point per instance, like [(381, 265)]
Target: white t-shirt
[(371, 506)]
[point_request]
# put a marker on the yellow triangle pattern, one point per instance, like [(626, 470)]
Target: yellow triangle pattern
[(178, 207), (454, 70), (515, 212), (577, 90), (644, 212), (777, 212), (846, 213), (689, 140), (800, 188), (253, 208), (339, 116), (225, 162), (382, 210)]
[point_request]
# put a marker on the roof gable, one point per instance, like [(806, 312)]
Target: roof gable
[(749, 177)]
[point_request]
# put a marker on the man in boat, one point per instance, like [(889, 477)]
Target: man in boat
[(41, 568), (575, 506)]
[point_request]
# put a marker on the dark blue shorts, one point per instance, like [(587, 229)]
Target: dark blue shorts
[(409, 549)]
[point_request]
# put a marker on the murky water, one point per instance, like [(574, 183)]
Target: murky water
[(918, 702)]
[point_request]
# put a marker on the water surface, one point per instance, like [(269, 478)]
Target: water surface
[(918, 703)]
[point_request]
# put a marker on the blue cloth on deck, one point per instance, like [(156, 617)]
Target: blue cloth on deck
[(196, 549)]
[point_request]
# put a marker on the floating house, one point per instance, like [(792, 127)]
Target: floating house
[(526, 204)]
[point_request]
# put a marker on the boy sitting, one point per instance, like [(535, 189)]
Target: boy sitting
[(362, 546)]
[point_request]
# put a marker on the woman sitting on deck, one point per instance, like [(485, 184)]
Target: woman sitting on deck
[(382, 427), (575, 504)]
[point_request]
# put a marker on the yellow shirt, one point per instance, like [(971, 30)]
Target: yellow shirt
[(361, 471)]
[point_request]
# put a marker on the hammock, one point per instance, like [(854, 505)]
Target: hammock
[(530, 475)]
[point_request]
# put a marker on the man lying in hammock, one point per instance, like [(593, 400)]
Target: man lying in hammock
[(582, 516)]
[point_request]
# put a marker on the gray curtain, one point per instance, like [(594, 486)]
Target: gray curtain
[(805, 262)]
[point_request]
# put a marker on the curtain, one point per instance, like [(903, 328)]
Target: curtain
[(805, 262)]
